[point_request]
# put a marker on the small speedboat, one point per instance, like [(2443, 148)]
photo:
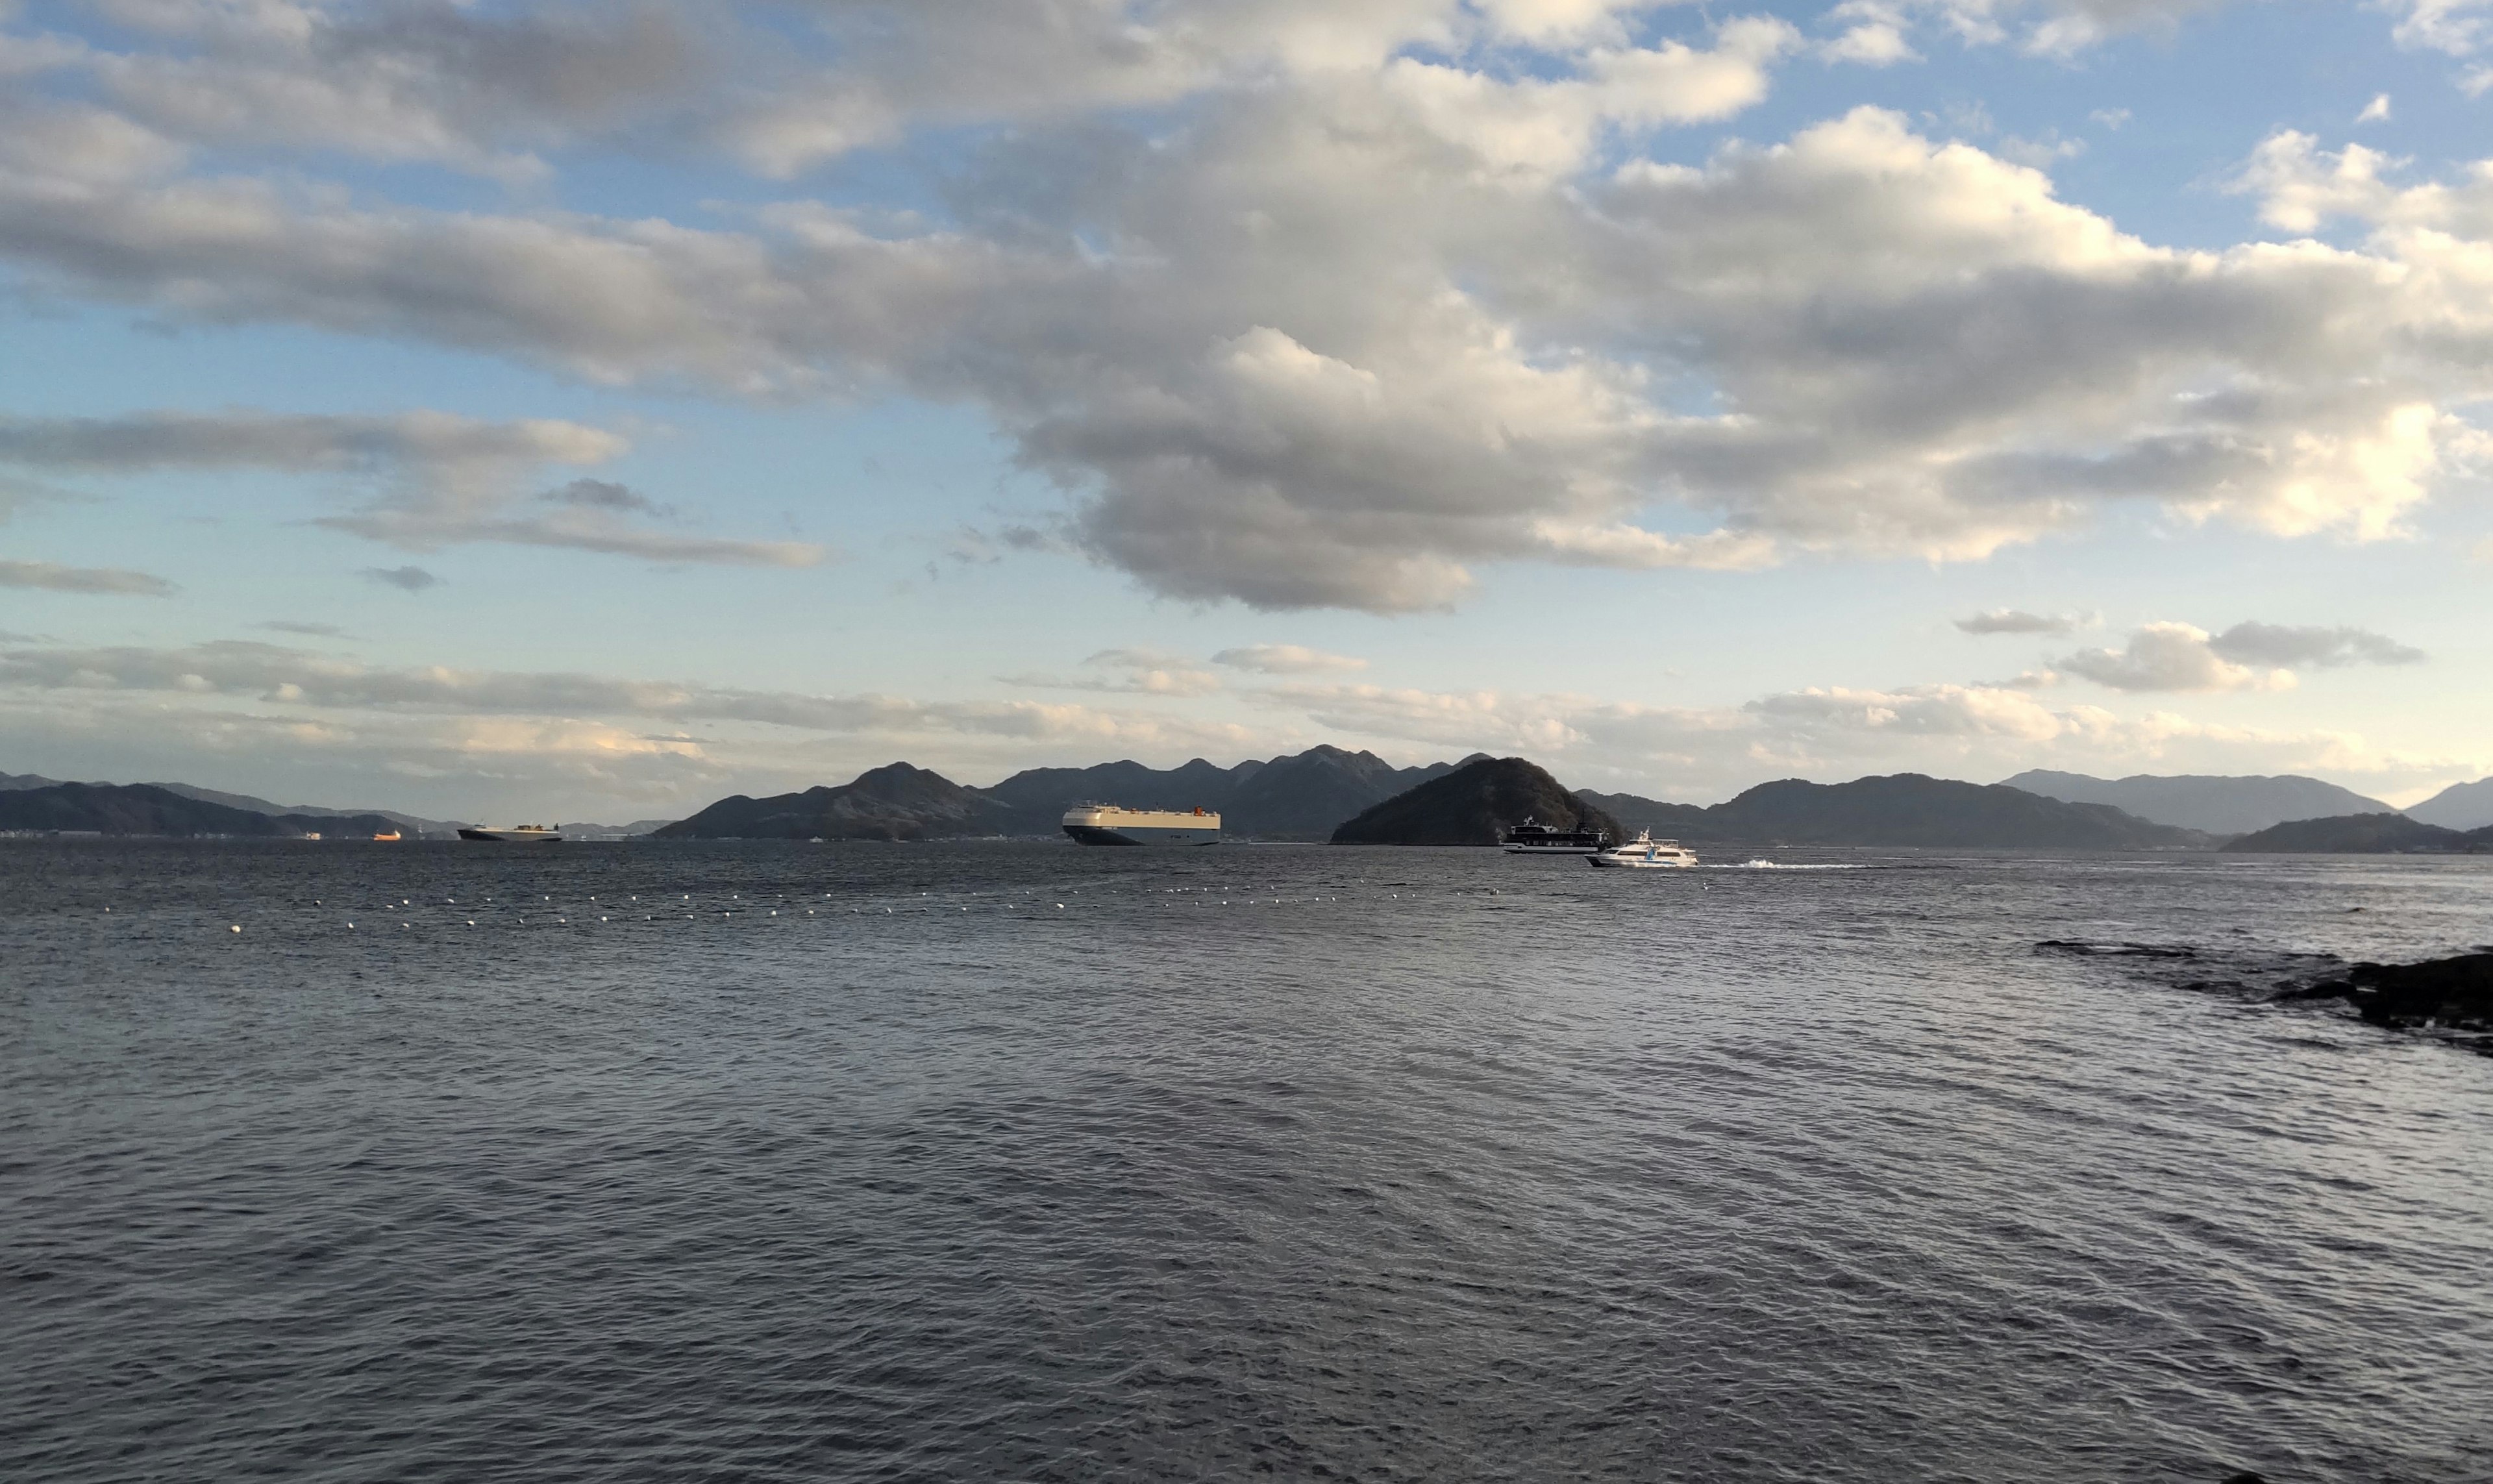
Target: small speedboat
[(1645, 853)]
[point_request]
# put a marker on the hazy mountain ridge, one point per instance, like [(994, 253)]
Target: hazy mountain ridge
[(1902, 808), (2216, 804), (1474, 805), (2459, 807), (259, 806), (148, 809)]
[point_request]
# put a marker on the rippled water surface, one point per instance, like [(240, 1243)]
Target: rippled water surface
[(988, 1161)]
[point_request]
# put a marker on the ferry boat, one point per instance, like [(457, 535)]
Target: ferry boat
[(1108, 824), (514, 834), (1645, 853), (1534, 838)]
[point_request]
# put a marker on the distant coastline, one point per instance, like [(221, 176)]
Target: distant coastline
[(1332, 795)]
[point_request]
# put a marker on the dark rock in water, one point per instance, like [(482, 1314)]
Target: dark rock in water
[(2114, 949), (2448, 998), (2438, 994), (1474, 805), (2362, 834), (897, 802), (2244, 1477)]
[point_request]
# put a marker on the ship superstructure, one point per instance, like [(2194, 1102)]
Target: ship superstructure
[(1109, 824), (1534, 838)]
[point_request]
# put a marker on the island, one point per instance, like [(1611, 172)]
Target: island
[(1474, 805)]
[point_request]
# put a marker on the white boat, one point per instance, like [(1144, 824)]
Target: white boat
[(514, 834), (1645, 853), (1107, 825)]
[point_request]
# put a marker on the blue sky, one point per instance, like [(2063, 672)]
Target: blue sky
[(587, 411)]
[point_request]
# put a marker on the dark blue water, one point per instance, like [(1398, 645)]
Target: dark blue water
[(981, 1161)]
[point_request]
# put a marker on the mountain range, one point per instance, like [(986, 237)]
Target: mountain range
[(1904, 808), (2218, 806), (147, 809), (1301, 797)]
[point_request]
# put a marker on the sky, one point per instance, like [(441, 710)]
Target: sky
[(493, 408)]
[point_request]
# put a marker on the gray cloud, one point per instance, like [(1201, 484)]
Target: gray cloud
[(1145, 672), (2171, 657), (605, 494), (413, 580), (1285, 660), (433, 479), (2324, 648), (2019, 621), (404, 80), (52, 577), (273, 674), (141, 443), (2246, 657), (309, 630)]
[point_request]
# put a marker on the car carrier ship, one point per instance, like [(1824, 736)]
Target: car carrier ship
[(1109, 824)]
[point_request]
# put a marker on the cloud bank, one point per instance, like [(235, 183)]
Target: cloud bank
[(1302, 304)]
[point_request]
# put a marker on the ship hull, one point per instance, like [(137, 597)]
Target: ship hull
[(1555, 849), (1140, 835), (511, 837)]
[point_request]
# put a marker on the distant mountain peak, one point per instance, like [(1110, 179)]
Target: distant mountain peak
[(2459, 807)]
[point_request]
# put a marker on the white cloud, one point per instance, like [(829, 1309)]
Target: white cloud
[(2042, 27), (2459, 27), (1872, 35), (1550, 127), (1133, 672), (1357, 323), (2377, 111), (2172, 657), (1285, 660)]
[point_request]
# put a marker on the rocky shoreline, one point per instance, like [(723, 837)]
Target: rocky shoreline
[(2449, 999)]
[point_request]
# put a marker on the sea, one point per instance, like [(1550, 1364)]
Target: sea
[(982, 1160)]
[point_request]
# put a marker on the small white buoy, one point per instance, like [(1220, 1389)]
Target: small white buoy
[(236, 928)]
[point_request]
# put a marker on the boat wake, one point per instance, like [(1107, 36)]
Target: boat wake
[(1767, 865)]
